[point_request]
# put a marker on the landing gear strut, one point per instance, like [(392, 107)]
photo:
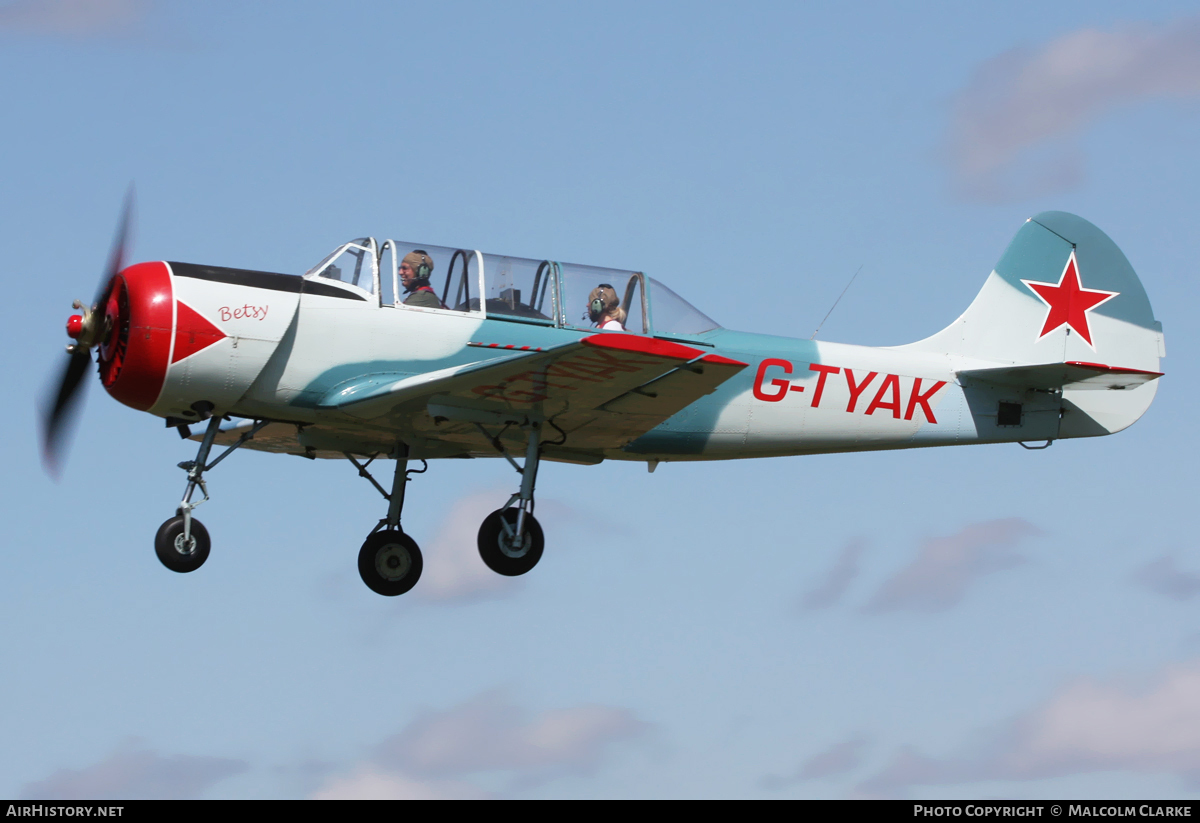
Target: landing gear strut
[(182, 542), (389, 562), (510, 539)]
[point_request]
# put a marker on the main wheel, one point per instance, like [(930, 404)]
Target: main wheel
[(390, 562), (180, 554), (505, 555)]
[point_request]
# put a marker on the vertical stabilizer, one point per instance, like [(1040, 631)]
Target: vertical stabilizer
[(1062, 293)]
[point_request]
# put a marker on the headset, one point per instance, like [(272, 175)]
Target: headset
[(425, 269), (596, 307)]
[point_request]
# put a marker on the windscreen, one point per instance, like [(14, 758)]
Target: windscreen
[(671, 314), (352, 263)]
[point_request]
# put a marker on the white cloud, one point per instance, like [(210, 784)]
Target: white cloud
[(1106, 726), (1163, 576), (844, 570), (453, 569), (1088, 726), (836, 760), (136, 773), (946, 566), (1011, 126), (434, 755), (74, 18), (370, 783), (490, 733)]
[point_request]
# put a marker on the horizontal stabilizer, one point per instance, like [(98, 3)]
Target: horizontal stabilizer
[(1074, 375)]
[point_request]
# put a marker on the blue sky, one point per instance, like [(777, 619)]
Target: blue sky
[(952, 622)]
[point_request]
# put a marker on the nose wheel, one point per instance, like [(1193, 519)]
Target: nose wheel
[(182, 542), (178, 550), (389, 562)]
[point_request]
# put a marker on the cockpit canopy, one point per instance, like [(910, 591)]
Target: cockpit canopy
[(519, 289)]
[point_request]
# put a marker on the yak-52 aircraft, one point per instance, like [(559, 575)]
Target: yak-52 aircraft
[(507, 357)]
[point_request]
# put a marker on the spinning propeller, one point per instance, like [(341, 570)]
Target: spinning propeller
[(92, 328)]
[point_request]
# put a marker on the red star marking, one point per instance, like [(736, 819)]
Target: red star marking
[(1069, 302)]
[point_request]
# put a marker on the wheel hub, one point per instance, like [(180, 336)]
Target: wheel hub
[(393, 562), (185, 545), (509, 546)]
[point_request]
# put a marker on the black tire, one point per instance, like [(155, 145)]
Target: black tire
[(389, 562), (171, 549), (497, 550)]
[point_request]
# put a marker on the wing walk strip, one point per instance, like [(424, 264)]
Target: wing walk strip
[(597, 388), (505, 346)]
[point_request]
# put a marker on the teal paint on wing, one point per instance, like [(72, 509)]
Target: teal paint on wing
[(500, 332)]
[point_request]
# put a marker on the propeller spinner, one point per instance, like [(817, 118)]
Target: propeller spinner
[(88, 330)]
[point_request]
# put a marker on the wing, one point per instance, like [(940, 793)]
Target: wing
[(1070, 375), (601, 392)]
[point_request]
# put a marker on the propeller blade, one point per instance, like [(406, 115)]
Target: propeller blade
[(57, 418), (116, 257), (58, 415)]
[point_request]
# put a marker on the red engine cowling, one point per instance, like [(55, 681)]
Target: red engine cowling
[(139, 313)]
